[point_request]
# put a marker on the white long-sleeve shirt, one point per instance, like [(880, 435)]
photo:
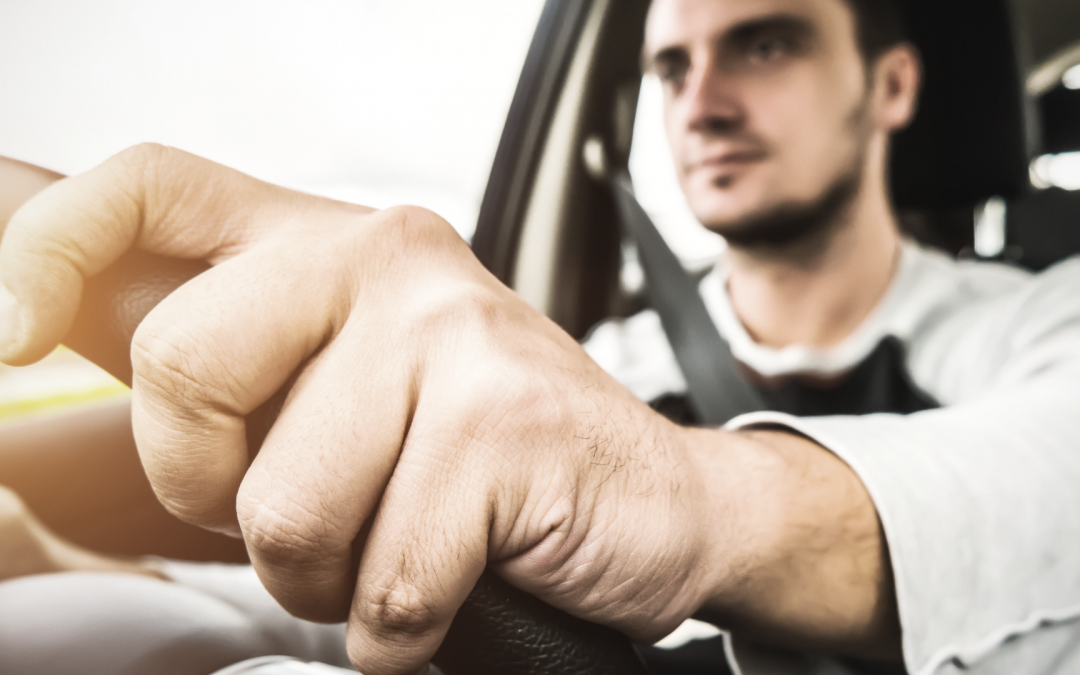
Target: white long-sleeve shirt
[(980, 498)]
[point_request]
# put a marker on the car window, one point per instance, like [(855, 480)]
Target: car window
[(366, 99), (373, 101)]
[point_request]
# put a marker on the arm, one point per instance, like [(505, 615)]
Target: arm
[(437, 422), (28, 547), (79, 473), (979, 499), (812, 569)]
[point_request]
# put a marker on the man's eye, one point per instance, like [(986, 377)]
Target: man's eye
[(671, 73), (767, 50)]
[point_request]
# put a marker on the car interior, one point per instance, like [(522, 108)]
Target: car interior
[(550, 228), (992, 101)]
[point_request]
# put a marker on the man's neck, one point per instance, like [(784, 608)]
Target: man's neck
[(819, 295)]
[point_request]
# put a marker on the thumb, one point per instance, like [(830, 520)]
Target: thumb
[(159, 199)]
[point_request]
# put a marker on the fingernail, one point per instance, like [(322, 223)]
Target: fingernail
[(9, 319)]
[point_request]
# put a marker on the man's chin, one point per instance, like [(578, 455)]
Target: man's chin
[(728, 195), (750, 221), (727, 211)]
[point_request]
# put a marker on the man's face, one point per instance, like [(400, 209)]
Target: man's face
[(765, 105)]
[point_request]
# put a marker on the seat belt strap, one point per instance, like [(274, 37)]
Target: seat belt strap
[(716, 390)]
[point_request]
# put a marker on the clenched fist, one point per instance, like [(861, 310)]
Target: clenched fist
[(435, 424)]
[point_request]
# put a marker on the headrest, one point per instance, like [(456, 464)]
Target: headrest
[(972, 137)]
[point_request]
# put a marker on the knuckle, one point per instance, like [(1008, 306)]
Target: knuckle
[(280, 535), (164, 363), (414, 218), (409, 228), (486, 376), (142, 153), (400, 609), (148, 174), (168, 360), (464, 307), (144, 158), (137, 162)]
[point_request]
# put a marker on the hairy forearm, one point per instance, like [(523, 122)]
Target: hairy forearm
[(803, 557)]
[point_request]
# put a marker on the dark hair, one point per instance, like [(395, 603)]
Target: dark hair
[(879, 25)]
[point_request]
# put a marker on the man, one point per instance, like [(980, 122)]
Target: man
[(455, 428)]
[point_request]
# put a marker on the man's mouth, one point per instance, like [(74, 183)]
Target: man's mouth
[(719, 162), (732, 159), (721, 169)]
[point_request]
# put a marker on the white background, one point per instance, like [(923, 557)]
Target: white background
[(377, 101)]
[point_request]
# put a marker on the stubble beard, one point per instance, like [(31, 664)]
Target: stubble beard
[(801, 231), (796, 226)]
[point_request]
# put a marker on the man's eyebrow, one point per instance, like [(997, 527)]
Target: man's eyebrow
[(792, 24), (666, 55)]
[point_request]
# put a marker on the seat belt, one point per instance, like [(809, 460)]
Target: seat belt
[(716, 390)]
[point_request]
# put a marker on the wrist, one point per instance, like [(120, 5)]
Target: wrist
[(740, 516), (801, 558)]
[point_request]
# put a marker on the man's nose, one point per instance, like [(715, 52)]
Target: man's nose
[(712, 101)]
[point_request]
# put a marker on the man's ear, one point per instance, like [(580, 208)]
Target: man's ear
[(897, 79)]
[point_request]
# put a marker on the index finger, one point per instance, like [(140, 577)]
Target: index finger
[(160, 199)]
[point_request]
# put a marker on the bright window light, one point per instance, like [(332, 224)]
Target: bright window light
[(1061, 171), (1071, 78)]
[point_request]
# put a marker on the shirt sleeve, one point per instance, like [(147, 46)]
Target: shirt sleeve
[(980, 504), (980, 499)]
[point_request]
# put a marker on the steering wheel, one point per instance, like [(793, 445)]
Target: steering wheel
[(499, 629)]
